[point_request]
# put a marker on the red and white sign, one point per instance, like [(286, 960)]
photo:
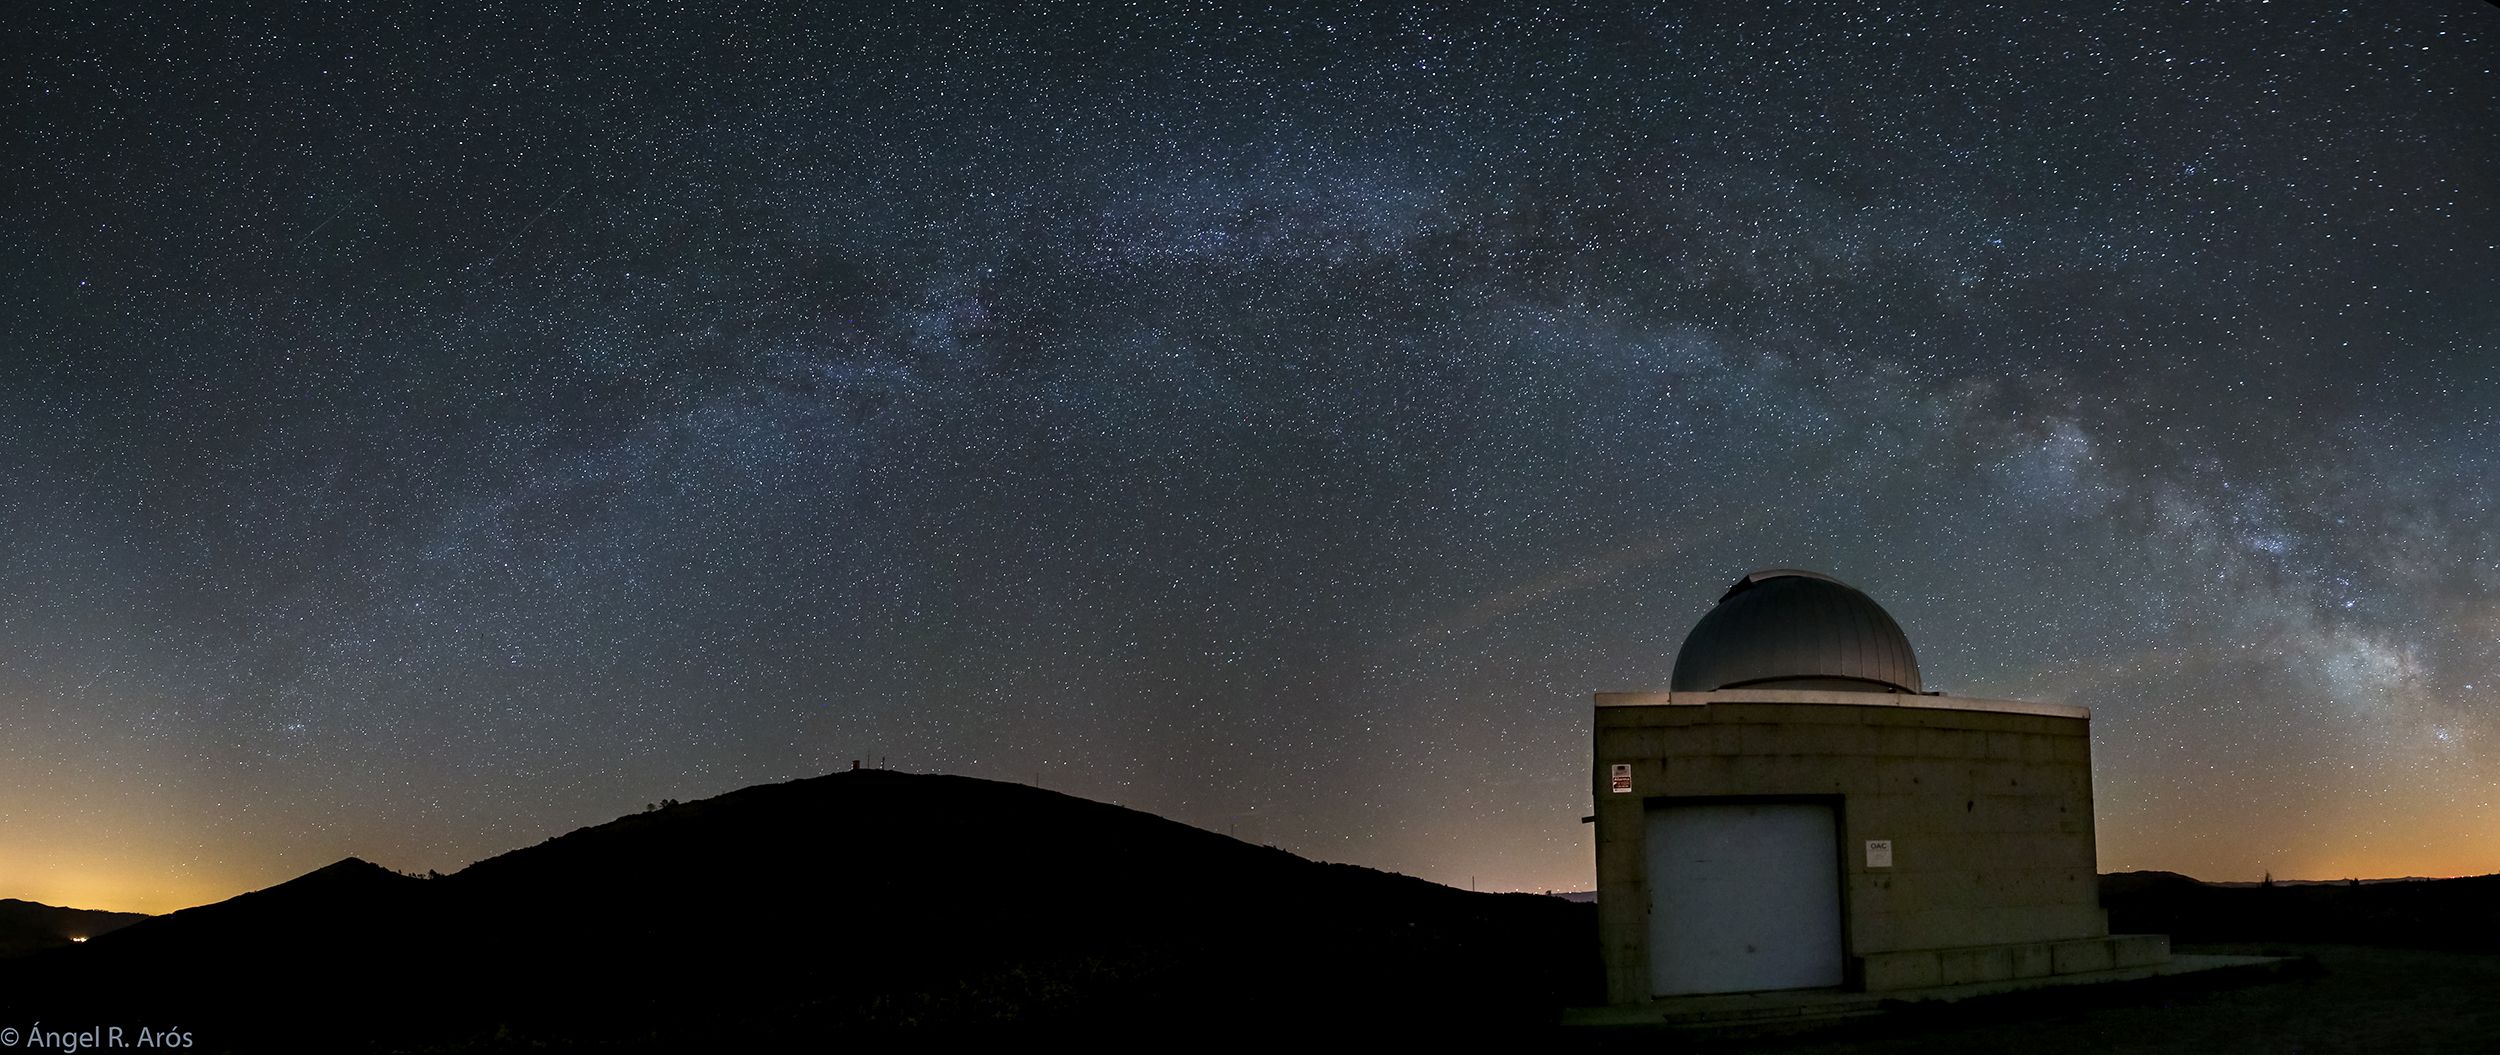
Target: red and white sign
[(1623, 778)]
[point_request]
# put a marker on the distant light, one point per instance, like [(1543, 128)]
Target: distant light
[(78, 939)]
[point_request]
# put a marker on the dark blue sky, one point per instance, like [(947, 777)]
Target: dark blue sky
[(421, 434)]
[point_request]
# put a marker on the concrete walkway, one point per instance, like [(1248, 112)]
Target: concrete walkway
[(1784, 1010)]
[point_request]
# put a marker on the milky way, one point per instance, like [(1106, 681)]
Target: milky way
[(420, 436)]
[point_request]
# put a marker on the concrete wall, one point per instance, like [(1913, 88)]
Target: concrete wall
[(1987, 803)]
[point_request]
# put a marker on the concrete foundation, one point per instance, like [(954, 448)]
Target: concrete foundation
[(1926, 968)]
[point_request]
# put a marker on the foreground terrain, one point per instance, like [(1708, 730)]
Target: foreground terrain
[(854, 904), (2338, 998), (877, 903)]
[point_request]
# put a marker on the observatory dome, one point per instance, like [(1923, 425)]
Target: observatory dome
[(1786, 628)]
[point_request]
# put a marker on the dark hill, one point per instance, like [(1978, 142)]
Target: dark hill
[(2130, 885), (331, 912), (2459, 914), (862, 902), (26, 926)]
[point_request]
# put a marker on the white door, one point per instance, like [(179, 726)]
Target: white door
[(1743, 897)]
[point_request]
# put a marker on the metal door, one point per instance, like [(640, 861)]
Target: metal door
[(1743, 897)]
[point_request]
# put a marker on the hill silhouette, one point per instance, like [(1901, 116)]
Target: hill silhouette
[(26, 926), (2455, 914), (866, 902)]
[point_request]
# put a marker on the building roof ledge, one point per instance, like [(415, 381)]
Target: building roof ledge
[(1916, 701)]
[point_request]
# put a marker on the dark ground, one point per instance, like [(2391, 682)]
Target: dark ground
[(2346, 998)]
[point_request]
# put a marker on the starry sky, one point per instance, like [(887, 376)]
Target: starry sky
[(423, 433)]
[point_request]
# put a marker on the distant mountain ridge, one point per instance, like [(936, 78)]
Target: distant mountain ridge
[(2459, 914), (856, 903), (27, 926)]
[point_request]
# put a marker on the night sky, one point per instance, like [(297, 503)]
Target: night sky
[(424, 434)]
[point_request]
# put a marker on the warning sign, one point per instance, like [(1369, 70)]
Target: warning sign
[(1879, 853), (1623, 778)]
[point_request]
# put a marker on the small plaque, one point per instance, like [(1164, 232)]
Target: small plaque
[(1879, 853), (1623, 778)]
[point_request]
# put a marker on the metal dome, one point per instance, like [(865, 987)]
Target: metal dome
[(1782, 627)]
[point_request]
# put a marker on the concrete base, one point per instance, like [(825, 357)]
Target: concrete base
[(1812, 1008), (1927, 968)]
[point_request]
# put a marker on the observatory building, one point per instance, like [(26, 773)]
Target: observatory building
[(1797, 811)]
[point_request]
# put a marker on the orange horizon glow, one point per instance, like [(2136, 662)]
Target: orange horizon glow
[(128, 854), (96, 888)]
